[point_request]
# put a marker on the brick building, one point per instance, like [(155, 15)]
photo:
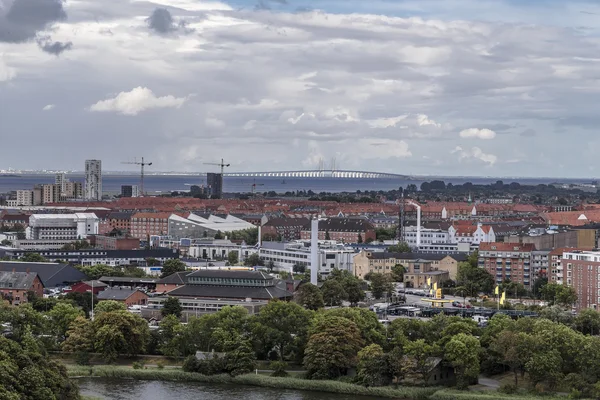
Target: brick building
[(287, 229), (507, 261), (88, 286), (146, 224), (131, 297), (582, 273), (9, 220), (114, 242), (347, 230), (15, 285)]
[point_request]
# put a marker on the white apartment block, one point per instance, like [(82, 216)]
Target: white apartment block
[(428, 236), (62, 226), (93, 180), (24, 197)]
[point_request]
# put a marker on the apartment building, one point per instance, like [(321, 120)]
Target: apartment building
[(347, 230), (507, 261), (284, 229), (472, 234), (144, 224), (24, 198), (93, 180), (583, 274)]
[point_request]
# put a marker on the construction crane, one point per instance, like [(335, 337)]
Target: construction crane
[(254, 185), (142, 164), (222, 165)]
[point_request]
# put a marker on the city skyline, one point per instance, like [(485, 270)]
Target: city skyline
[(431, 88)]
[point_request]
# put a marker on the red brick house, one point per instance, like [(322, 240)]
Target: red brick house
[(347, 230), (171, 282), (85, 287), (15, 285), (130, 297)]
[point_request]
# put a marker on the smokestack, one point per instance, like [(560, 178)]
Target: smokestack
[(314, 250), (418, 226)]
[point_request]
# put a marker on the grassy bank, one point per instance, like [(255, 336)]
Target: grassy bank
[(448, 394), (112, 372)]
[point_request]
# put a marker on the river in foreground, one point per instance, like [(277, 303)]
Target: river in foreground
[(160, 390)]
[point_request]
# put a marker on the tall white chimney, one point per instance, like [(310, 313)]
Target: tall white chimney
[(314, 250), (418, 226)]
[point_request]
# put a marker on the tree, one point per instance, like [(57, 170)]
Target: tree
[(588, 322), (514, 350), (171, 306), (152, 262), (299, 268), (474, 279), (544, 367), (282, 327), (332, 348), (360, 238), (538, 286), (561, 295), (82, 300), (172, 266), (254, 260), (398, 272), (219, 236), (232, 257), (80, 336), (310, 297), (171, 337), (241, 359), (109, 306), (371, 330), (327, 237), (29, 374), (99, 270), (418, 361), (119, 333), (333, 292), (61, 317), (381, 285), (401, 247), (373, 367), (33, 258), (463, 353)]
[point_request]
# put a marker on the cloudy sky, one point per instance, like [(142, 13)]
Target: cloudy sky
[(447, 87)]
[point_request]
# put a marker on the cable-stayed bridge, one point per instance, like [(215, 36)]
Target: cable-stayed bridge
[(341, 174)]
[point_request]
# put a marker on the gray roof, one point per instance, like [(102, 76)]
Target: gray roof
[(302, 222), (116, 294), (17, 280), (51, 274), (120, 279), (96, 284), (417, 256), (176, 278), (345, 225), (230, 292), (119, 215), (212, 273)]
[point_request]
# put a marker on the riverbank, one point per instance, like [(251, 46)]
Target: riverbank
[(400, 393), (111, 372)]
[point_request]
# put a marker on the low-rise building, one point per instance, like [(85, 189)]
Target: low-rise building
[(131, 297), (507, 261), (51, 274), (114, 242), (193, 307), (421, 279), (472, 234), (94, 286), (346, 230), (62, 226), (14, 286), (428, 236), (195, 226)]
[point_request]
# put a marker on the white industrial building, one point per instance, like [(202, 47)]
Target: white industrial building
[(93, 180), (219, 249), (427, 236), (196, 226), (62, 226)]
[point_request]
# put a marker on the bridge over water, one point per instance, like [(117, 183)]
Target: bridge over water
[(342, 174)]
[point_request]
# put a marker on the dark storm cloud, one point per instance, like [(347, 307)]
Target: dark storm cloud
[(56, 48), (25, 18), (161, 21)]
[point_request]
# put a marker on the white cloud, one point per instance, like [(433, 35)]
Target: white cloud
[(484, 133), (475, 153), (48, 107), (137, 100), (6, 73)]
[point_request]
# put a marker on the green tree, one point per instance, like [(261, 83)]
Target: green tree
[(240, 359), (398, 272), (299, 268), (109, 306), (418, 361), (463, 353), (172, 337), (282, 327), (561, 295), (232, 257), (309, 296), (381, 285), (588, 322), (219, 236), (514, 350), (401, 247), (82, 300), (33, 258), (373, 367), (333, 292), (120, 333), (327, 237), (80, 336), (351, 284), (152, 262), (172, 306), (172, 266), (254, 260), (26, 373), (474, 279), (544, 367), (100, 270), (360, 238), (332, 348), (61, 317), (371, 330)]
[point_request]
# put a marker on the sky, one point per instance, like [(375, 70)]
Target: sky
[(416, 87)]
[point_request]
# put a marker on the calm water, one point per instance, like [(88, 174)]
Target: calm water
[(167, 183), (157, 390)]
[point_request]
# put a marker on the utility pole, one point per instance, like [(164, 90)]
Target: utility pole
[(142, 165)]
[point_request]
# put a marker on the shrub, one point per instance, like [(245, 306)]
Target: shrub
[(82, 358), (278, 368), (190, 364), (138, 365), (575, 394), (160, 364), (508, 388)]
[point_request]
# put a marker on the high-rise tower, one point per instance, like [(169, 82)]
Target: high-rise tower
[(93, 180)]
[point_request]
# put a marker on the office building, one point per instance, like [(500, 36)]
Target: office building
[(93, 180), (215, 185), (129, 191), (62, 226)]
